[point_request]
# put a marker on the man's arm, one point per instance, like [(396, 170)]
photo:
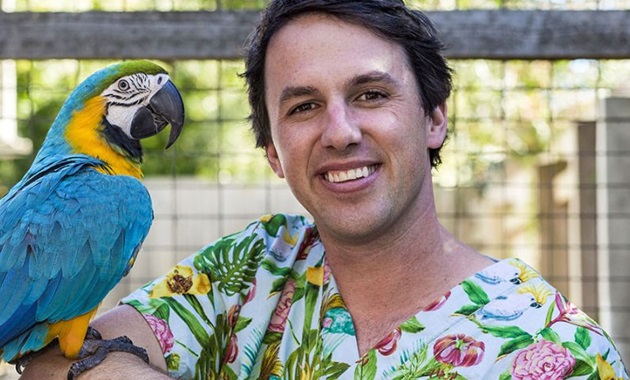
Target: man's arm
[(122, 320)]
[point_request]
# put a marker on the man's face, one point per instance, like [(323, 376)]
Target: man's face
[(349, 133)]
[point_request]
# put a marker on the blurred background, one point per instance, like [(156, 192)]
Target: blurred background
[(537, 163)]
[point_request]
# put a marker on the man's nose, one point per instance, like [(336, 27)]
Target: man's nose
[(341, 129)]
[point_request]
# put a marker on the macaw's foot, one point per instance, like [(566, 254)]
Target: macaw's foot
[(95, 350), (21, 362)]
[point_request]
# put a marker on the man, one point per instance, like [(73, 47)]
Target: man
[(348, 101)]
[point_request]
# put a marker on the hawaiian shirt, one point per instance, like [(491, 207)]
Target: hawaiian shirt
[(263, 304)]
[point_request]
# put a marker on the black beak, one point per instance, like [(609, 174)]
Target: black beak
[(165, 107)]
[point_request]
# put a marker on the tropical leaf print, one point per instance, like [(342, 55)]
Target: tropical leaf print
[(475, 292), (413, 365), (191, 320), (250, 352), (271, 366), (273, 223), (232, 264), (477, 296), (154, 307), (366, 370), (412, 326), (515, 344), (214, 350), (505, 331)]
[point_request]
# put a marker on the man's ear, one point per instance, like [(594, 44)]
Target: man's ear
[(274, 160), (437, 126)]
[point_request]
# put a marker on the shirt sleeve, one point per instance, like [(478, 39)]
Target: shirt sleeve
[(191, 309)]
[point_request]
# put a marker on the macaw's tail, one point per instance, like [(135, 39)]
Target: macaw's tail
[(70, 334)]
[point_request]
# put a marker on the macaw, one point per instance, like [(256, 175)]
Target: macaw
[(72, 226)]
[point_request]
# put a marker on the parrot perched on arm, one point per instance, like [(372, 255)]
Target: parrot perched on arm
[(71, 228)]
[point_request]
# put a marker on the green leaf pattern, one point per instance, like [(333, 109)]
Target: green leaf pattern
[(274, 312)]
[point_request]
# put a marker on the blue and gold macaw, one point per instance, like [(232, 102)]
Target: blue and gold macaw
[(71, 228)]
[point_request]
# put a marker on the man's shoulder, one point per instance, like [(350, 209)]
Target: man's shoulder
[(271, 227), (280, 238)]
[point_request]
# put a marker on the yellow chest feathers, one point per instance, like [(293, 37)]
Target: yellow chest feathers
[(83, 135)]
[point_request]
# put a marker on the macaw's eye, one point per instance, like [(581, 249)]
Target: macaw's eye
[(123, 85)]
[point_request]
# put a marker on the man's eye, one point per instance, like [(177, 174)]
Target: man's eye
[(302, 108), (372, 95)]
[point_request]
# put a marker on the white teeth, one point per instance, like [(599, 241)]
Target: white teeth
[(349, 175)]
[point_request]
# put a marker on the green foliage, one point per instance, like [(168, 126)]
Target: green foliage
[(40, 110)]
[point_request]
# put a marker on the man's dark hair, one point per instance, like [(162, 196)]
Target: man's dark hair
[(389, 19)]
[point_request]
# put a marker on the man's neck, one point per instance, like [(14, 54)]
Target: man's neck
[(383, 285)]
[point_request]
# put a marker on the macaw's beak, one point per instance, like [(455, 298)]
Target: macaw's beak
[(165, 107)]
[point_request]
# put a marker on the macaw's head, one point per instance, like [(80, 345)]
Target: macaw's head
[(141, 100), (114, 108)]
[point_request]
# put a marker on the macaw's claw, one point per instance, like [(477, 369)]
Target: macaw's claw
[(24, 360), (95, 350), (93, 334), (21, 363)]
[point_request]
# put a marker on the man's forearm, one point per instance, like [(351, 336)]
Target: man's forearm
[(122, 320), (52, 365)]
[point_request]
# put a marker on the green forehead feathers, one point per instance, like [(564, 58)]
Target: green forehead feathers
[(100, 80)]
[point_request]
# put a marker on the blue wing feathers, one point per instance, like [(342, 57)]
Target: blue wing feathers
[(29, 340), (17, 326), (72, 245), (12, 300), (9, 259), (47, 298)]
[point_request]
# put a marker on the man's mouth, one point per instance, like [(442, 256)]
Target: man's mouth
[(349, 175)]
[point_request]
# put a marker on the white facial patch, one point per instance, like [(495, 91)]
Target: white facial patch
[(128, 94)]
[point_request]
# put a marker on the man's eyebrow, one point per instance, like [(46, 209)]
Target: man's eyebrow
[(371, 77), (296, 91)]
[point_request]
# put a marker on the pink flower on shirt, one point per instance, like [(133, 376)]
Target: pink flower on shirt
[(162, 332), (437, 303), (544, 360), (233, 314), (251, 293), (231, 352), (569, 313), (458, 350), (279, 318), (388, 344)]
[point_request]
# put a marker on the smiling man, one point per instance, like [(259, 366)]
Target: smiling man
[(348, 102), (331, 120)]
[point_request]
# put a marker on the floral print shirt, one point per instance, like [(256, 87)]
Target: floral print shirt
[(263, 304)]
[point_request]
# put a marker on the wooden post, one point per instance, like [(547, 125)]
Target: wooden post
[(473, 34), (613, 219)]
